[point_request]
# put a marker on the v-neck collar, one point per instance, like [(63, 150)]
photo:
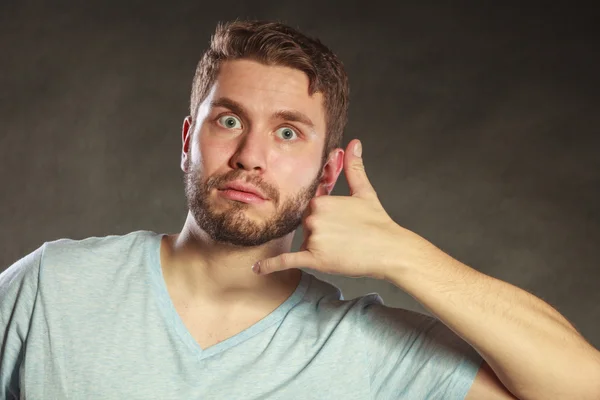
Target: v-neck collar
[(175, 322)]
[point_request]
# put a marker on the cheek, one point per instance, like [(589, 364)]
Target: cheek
[(211, 154), (294, 175)]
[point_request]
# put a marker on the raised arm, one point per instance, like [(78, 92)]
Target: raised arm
[(532, 349)]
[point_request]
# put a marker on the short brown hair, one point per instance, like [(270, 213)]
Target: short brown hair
[(273, 43)]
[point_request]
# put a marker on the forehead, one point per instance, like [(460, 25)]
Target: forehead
[(266, 89)]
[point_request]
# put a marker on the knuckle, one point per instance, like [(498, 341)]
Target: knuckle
[(312, 241), (310, 222), (285, 259), (264, 265), (322, 203), (314, 204), (358, 166)]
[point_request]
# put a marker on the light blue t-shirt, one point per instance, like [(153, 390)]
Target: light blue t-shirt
[(92, 319)]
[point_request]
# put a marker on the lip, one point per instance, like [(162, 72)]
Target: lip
[(244, 187)]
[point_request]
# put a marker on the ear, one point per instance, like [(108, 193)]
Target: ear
[(186, 135), (331, 170)]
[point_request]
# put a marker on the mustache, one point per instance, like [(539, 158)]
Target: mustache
[(238, 175)]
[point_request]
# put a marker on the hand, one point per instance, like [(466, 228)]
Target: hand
[(348, 235)]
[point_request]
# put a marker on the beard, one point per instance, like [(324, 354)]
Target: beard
[(231, 225)]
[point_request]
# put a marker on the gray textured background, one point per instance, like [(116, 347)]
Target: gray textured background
[(479, 126)]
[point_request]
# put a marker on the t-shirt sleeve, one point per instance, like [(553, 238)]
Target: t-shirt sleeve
[(413, 356), (18, 291)]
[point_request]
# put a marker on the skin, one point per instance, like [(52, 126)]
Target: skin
[(208, 275), (530, 350)]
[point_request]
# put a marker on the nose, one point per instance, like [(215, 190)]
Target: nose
[(251, 151)]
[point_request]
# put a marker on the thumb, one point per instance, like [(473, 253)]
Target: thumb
[(284, 261), (354, 169)]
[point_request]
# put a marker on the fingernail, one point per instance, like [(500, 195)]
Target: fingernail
[(256, 267), (358, 149)]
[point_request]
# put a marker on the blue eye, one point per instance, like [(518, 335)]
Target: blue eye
[(230, 122), (286, 133)]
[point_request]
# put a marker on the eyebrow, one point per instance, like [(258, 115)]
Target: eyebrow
[(287, 115), (294, 116), (234, 106)]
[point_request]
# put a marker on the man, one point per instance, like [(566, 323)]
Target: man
[(184, 316)]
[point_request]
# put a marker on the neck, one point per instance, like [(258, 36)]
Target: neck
[(199, 268)]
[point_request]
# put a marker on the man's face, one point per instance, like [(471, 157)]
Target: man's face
[(260, 128)]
